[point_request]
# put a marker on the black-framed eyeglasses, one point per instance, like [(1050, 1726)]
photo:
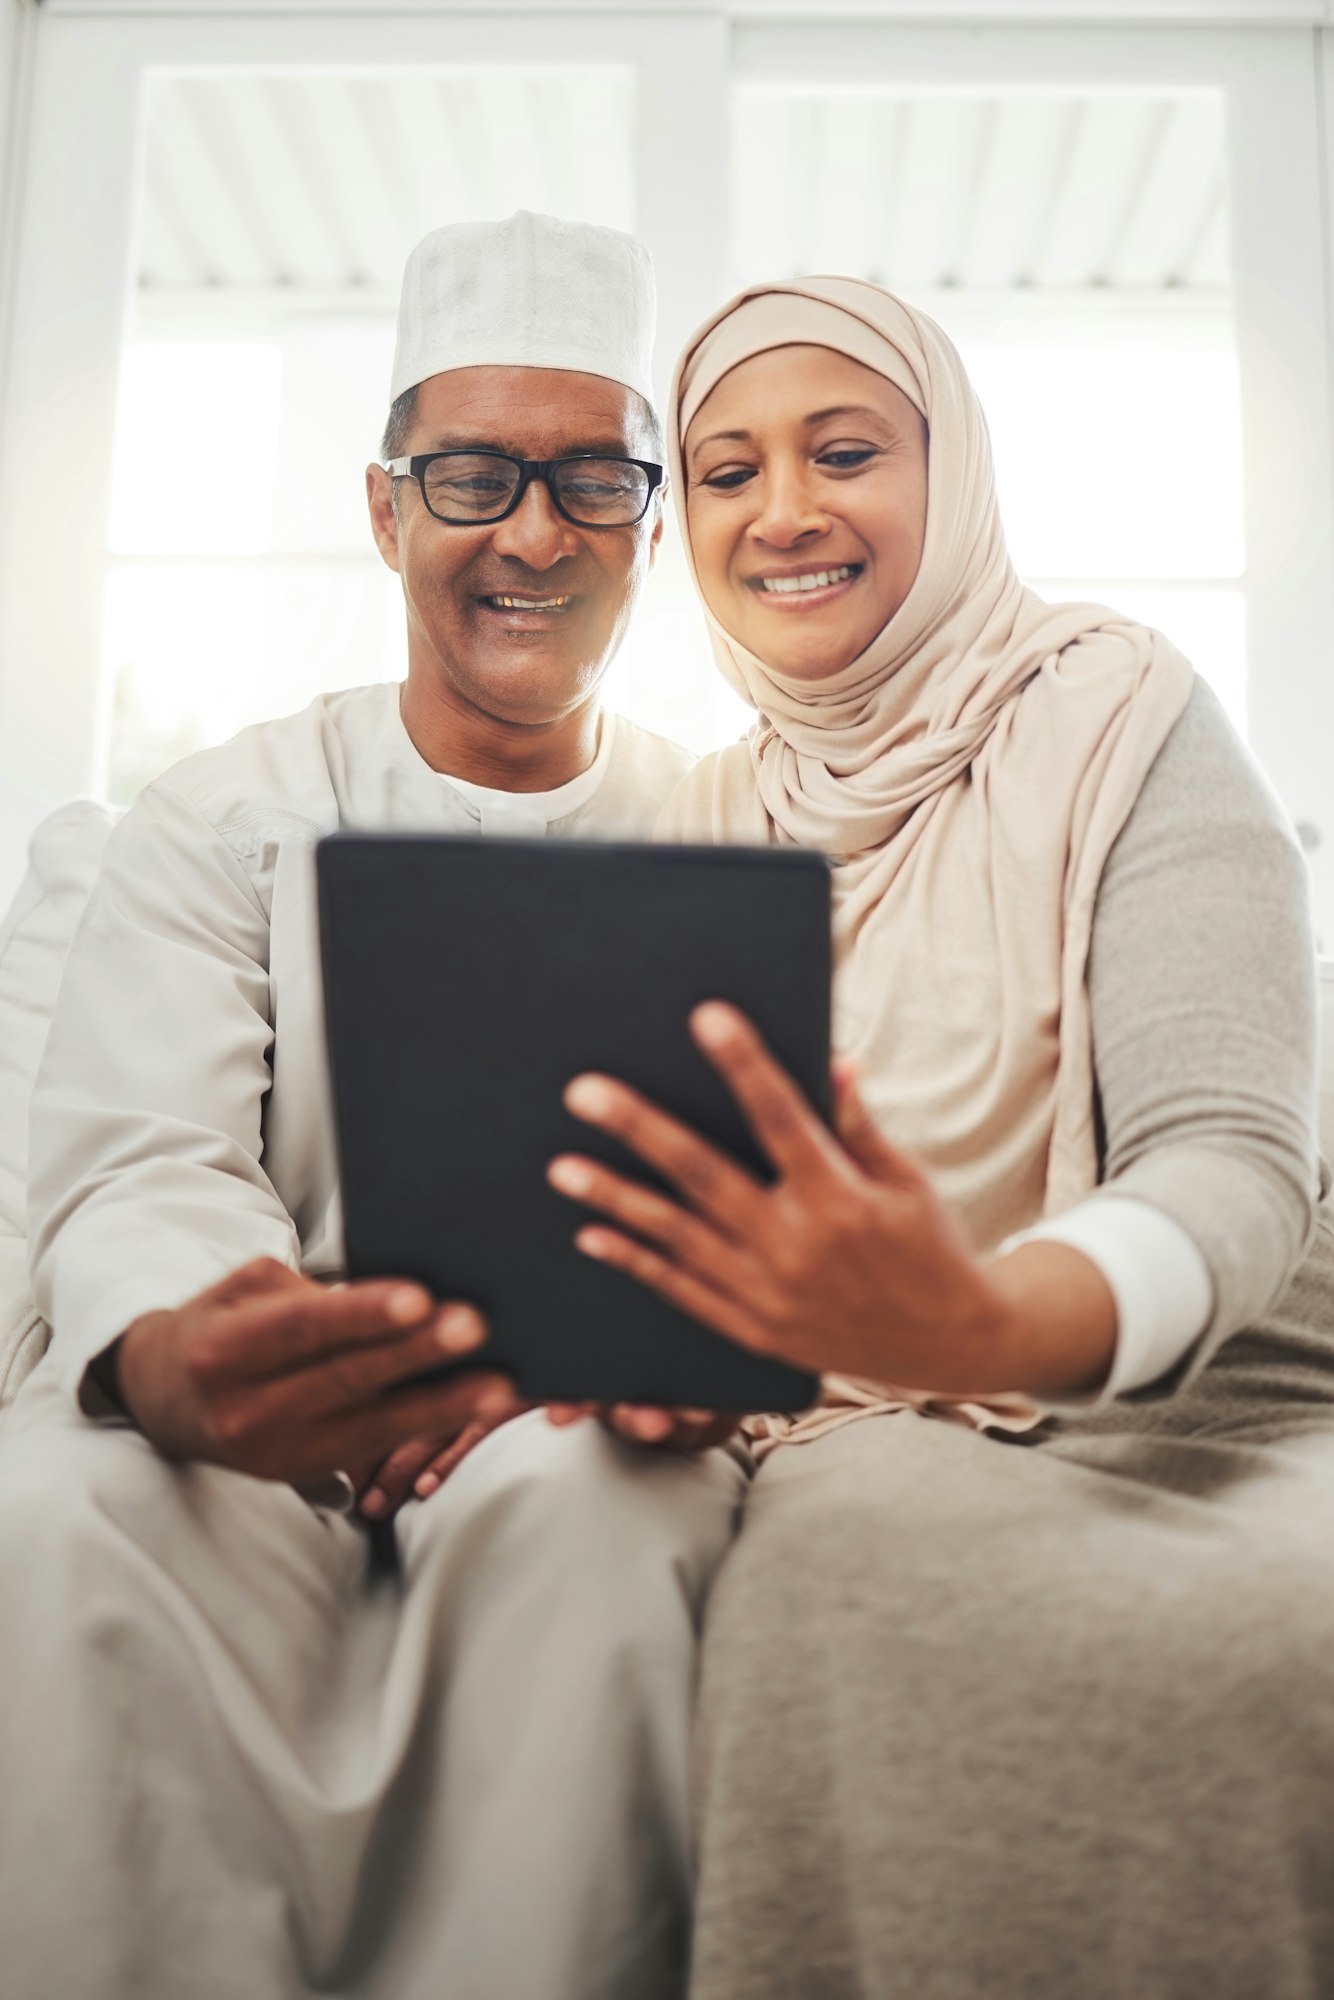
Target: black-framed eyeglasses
[(468, 489)]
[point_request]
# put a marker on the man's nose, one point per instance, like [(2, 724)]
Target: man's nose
[(535, 534)]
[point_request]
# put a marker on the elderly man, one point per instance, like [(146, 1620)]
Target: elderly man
[(242, 1754)]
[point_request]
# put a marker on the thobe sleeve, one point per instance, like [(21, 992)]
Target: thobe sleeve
[(146, 1183), (1203, 999)]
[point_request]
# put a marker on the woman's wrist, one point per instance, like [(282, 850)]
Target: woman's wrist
[(1058, 1320)]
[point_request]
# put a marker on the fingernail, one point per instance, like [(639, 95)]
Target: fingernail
[(591, 1243), (712, 1021), (374, 1503), (589, 1096), (408, 1303), (426, 1485), (570, 1176), (493, 1405), (459, 1329)]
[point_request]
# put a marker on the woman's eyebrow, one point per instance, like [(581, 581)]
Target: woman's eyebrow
[(719, 437), (815, 417), (846, 410)]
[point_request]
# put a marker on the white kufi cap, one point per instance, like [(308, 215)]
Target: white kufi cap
[(530, 292)]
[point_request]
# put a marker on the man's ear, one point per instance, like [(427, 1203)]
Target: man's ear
[(656, 537), (384, 521)]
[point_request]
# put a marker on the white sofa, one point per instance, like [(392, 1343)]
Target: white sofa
[(34, 938)]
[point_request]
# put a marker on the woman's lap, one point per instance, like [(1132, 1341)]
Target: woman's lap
[(970, 1706)]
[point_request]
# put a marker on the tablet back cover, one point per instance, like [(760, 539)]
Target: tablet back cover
[(466, 982)]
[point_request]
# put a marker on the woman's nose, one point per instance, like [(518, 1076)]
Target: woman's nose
[(535, 533), (788, 510)]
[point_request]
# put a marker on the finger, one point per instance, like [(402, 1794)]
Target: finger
[(714, 1185), (860, 1134), (441, 1466), (791, 1135), (678, 1429), (442, 1412), (681, 1288), (394, 1478), (350, 1378), (700, 1430), (268, 1337), (569, 1413), (261, 1277), (445, 1462), (642, 1423), (686, 1237)]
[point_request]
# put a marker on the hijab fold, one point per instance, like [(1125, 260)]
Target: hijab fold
[(969, 772)]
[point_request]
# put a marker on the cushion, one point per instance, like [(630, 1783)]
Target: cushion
[(1327, 1058), (35, 935)]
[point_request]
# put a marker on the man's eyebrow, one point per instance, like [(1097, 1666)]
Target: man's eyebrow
[(604, 447), (815, 417)]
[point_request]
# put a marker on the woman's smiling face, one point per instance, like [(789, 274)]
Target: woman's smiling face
[(806, 500)]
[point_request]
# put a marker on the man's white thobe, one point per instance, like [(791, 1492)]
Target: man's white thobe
[(233, 1759)]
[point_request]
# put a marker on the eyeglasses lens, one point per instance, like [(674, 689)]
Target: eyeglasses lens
[(602, 492), (461, 487)]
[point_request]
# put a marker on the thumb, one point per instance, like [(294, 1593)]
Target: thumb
[(857, 1130), (262, 1278)]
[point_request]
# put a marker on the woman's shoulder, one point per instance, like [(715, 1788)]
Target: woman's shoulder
[(1206, 777), (716, 800)]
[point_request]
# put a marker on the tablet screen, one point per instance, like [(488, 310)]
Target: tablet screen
[(467, 981)]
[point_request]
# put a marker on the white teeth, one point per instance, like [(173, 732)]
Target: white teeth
[(530, 603), (813, 580)]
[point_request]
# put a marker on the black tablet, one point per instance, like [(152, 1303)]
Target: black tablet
[(466, 981)]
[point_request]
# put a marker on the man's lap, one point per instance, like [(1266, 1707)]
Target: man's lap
[(593, 1503)]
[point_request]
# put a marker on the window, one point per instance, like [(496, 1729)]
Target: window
[(1076, 249), (1127, 226)]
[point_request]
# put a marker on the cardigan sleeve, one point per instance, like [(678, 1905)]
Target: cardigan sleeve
[(1202, 989)]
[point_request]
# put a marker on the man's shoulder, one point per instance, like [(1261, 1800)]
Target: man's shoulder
[(656, 760), (281, 778), (643, 769)]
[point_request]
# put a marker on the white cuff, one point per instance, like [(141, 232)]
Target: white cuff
[(1161, 1284)]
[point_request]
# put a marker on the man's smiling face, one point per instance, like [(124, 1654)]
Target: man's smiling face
[(517, 666)]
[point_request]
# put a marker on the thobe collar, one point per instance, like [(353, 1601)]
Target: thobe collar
[(525, 814)]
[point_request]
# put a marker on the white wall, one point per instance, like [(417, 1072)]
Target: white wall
[(18, 23), (18, 34)]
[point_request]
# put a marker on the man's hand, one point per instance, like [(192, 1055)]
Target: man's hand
[(272, 1374), (651, 1423), (422, 1465)]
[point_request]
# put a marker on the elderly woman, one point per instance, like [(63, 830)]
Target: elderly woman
[(1020, 1678)]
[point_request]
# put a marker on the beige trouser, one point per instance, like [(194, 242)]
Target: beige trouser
[(238, 1764)]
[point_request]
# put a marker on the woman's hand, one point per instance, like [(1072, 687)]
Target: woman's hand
[(849, 1262), (652, 1423)]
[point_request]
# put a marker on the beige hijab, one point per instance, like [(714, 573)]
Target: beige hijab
[(969, 773)]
